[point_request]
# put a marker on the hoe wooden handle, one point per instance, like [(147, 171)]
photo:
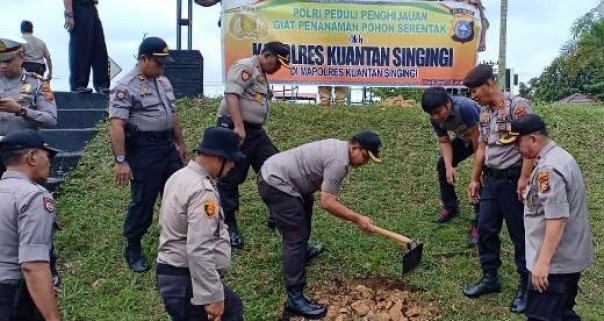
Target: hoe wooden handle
[(397, 237)]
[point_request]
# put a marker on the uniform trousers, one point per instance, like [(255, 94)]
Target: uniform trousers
[(293, 219), (38, 68), (176, 291), (557, 302), (499, 202), (87, 48), (257, 148), (16, 303), (153, 158), (461, 151)]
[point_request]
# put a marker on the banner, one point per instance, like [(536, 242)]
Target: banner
[(365, 43)]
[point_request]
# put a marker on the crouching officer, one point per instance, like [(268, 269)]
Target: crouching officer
[(27, 216), (287, 182), (146, 139), (194, 248), (245, 109), (504, 175), (558, 237)]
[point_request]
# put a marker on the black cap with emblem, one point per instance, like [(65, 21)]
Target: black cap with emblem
[(371, 142), (526, 125), (9, 49), (156, 48), (280, 50), (25, 139), (222, 142)]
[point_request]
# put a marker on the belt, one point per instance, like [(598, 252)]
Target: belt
[(155, 135), (503, 173), (250, 126), (167, 269)]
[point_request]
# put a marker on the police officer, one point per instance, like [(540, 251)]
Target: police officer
[(37, 56), (194, 248), (87, 47), (504, 175), (287, 182), (27, 216), (558, 237), (459, 115), (245, 109), (147, 140), (26, 101)]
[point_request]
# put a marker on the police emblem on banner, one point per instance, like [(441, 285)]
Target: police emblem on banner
[(463, 31)]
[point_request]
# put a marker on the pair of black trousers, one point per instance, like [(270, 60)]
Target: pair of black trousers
[(557, 302), (293, 219), (87, 49), (16, 303)]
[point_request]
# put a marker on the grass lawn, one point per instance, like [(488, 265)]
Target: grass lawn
[(400, 194)]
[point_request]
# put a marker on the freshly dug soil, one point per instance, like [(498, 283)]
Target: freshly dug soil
[(373, 300)]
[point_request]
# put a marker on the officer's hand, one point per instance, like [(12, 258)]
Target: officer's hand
[(215, 310), (69, 23), (451, 176), (9, 105), (539, 276), (184, 155), (123, 174), (522, 183), (473, 191), (240, 131), (365, 224)]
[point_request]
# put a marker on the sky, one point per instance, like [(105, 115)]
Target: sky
[(536, 32)]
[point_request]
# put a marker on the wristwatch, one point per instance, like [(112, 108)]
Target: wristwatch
[(21, 112), (120, 158)]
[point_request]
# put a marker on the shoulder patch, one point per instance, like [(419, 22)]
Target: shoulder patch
[(245, 75), (210, 207), (49, 204), (543, 178), (520, 111), (121, 94), (47, 92)]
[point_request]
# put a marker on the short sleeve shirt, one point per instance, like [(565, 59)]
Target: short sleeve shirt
[(27, 216), (35, 49), (146, 103), (33, 94), (320, 165), (496, 122), (556, 191), (464, 115), (246, 80)]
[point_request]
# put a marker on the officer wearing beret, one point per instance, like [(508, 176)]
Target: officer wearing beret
[(460, 116), (287, 182), (194, 248), (558, 237), (245, 108), (504, 175), (27, 216), (147, 140)]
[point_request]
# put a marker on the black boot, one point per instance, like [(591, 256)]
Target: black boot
[(236, 239), (298, 305), (134, 257), (520, 300), (313, 251), (488, 284)]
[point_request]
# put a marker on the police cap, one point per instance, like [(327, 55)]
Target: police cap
[(478, 76), (157, 48), (9, 49), (371, 142), (25, 139), (280, 50), (526, 125), (222, 142)]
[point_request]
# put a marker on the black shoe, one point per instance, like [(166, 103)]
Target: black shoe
[(82, 90), (236, 239), (520, 300), (103, 90), (313, 251), (298, 305), (488, 284), (134, 258), (445, 215)]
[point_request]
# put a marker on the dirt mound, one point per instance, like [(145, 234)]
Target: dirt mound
[(374, 300), (398, 101)]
